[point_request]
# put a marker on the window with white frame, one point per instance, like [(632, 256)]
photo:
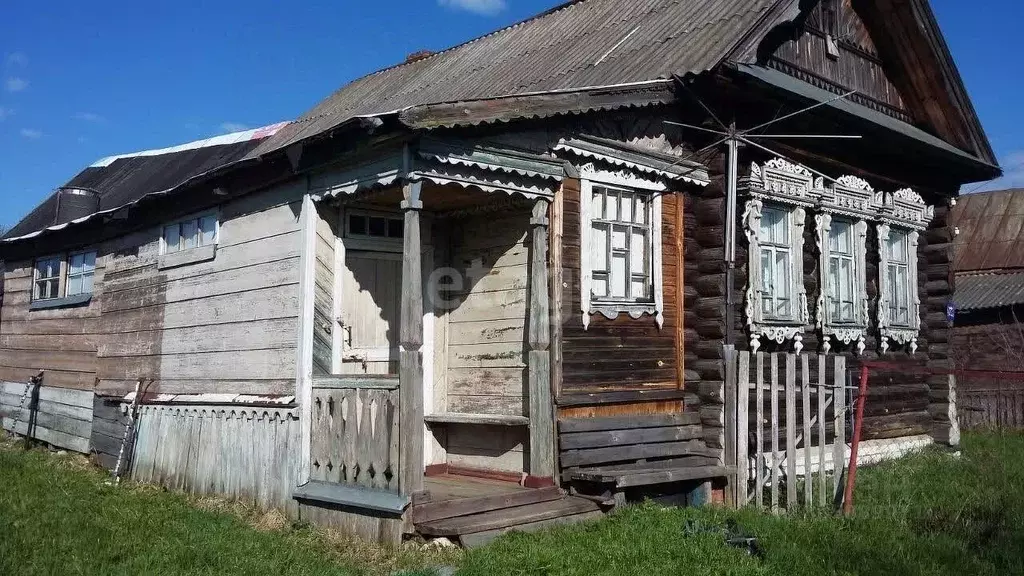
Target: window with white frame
[(620, 258), (47, 276), (81, 270), (776, 264), (842, 273), (190, 233), (364, 224), (897, 272), (620, 245)]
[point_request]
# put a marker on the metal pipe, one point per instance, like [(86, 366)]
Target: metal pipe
[(858, 423), (732, 174)]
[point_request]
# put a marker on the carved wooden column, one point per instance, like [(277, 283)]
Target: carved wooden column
[(410, 342), (542, 426)]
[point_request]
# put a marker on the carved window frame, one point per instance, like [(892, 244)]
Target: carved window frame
[(850, 199), (904, 210), (791, 187), (610, 309)]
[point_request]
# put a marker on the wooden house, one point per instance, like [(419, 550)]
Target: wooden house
[(464, 282)]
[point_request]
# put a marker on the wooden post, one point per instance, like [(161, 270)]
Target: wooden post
[(805, 396), (759, 449), (304, 349), (776, 467), (542, 425), (410, 356), (839, 446), (790, 431), (742, 423), (822, 389), (729, 352)]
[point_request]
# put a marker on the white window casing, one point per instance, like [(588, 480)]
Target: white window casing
[(46, 281), (638, 292), (81, 272), (844, 208), (190, 233)]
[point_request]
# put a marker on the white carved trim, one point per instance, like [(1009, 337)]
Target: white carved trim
[(566, 146), (845, 334), (623, 178), (756, 323), (782, 181), (901, 335), (588, 176), (905, 208)]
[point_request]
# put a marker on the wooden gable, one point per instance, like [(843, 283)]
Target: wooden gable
[(890, 51)]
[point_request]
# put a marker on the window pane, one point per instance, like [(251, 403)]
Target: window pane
[(619, 237), (87, 283), (599, 247), (599, 287), (638, 288), (378, 226), (172, 237), (189, 234), (74, 285), (767, 271), (207, 230), (626, 208), (89, 261), (638, 253), (357, 224), (598, 203), (839, 237), (640, 214), (782, 274), (396, 228), (612, 206), (618, 276), (75, 266)]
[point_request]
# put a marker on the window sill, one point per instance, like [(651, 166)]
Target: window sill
[(186, 257), (68, 302), (611, 310)]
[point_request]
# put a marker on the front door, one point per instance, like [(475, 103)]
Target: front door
[(371, 293)]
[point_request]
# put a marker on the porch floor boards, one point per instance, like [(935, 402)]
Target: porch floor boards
[(476, 510)]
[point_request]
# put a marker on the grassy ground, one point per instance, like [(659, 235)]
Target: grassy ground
[(57, 516), (929, 514)]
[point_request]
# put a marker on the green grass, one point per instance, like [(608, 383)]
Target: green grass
[(929, 514), (932, 514), (57, 516)]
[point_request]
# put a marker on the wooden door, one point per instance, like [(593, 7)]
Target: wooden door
[(371, 295)]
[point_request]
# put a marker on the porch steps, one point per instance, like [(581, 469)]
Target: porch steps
[(478, 529), (430, 511)]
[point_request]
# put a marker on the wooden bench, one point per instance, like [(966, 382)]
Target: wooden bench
[(602, 457)]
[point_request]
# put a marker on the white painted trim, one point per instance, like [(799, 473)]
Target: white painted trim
[(623, 178), (428, 345), (195, 216), (337, 332), (901, 335), (845, 334), (586, 263), (304, 350), (657, 273)]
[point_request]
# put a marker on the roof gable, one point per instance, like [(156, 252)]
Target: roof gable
[(991, 231)]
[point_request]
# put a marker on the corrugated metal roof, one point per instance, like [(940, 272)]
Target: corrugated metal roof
[(981, 291), (581, 44), (123, 179), (991, 226)]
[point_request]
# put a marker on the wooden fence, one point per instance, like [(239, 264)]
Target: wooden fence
[(988, 403), (354, 436), (789, 417), (57, 416)]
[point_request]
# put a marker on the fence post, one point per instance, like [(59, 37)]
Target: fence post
[(742, 433), (759, 449), (774, 392), (822, 390), (790, 431), (730, 418), (839, 445), (862, 393), (805, 397)]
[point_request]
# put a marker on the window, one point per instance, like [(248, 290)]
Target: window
[(620, 240), (620, 245), (841, 272), (898, 278), (47, 279), (776, 265), (189, 234), (375, 226), (81, 269)]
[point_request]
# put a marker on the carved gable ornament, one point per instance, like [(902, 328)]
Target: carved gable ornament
[(904, 207), (782, 181)]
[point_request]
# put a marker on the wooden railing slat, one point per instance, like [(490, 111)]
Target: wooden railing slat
[(742, 430), (774, 393), (790, 430), (759, 408), (822, 394), (840, 411), (805, 396)]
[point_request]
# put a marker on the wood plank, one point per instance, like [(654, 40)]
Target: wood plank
[(571, 425), (627, 453), (478, 539), (440, 510), (81, 398), (742, 428), (508, 517), (791, 431), (53, 437), (586, 440), (486, 419), (245, 335), (729, 420), (411, 340), (774, 394), (674, 475), (805, 396), (271, 364), (72, 426), (759, 446), (822, 393), (839, 446), (499, 355), (57, 409)]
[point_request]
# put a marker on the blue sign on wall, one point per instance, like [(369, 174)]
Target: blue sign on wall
[(951, 311)]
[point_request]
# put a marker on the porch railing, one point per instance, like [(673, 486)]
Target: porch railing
[(354, 436)]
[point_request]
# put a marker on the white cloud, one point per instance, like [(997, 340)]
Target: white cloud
[(18, 59), (15, 84), (229, 127), (1013, 175), (31, 134), (484, 7), (89, 117), (5, 112)]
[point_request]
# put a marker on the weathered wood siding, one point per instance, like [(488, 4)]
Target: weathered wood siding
[(250, 454), (619, 354), (323, 291), (226, 325), (58, 416), (486, 346)]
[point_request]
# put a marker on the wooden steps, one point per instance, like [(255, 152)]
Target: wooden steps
[(529, 516), (432, 511)]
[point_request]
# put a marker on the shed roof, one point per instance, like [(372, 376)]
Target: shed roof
[(124, 179), (991, 226), (988, 290), (577, 45)]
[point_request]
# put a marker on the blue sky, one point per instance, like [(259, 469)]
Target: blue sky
[(84, 80)]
